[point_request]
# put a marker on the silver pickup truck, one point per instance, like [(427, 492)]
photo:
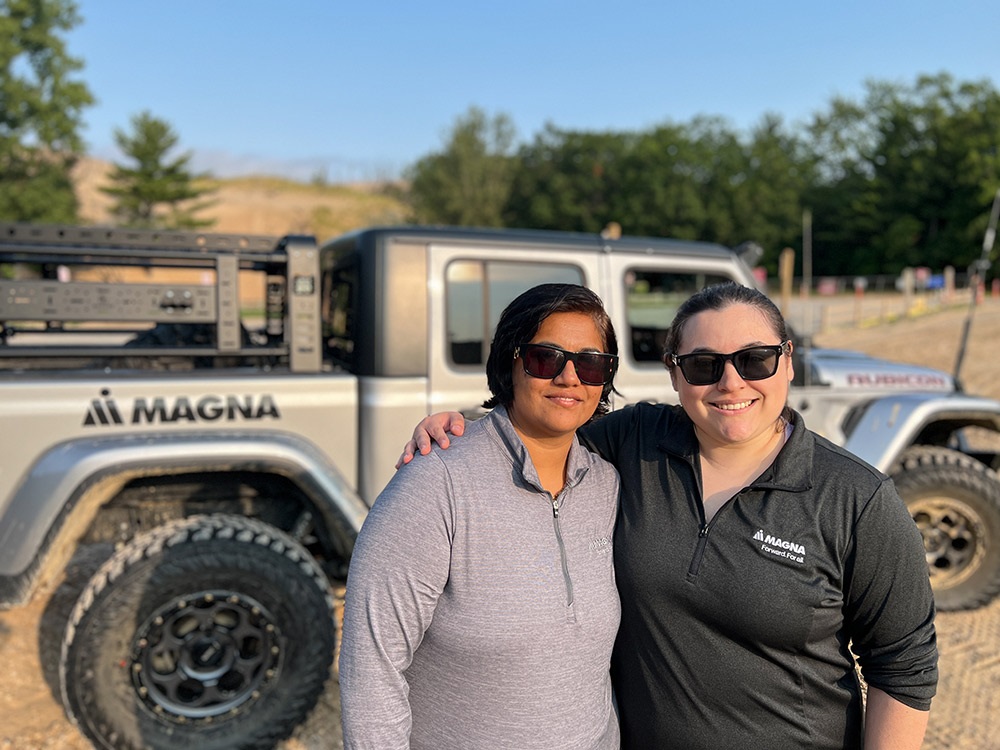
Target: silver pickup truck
[(217, 412)]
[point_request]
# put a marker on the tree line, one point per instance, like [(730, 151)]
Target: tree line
[(903, 176)]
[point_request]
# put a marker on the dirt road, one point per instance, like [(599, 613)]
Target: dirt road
[(964, 716)]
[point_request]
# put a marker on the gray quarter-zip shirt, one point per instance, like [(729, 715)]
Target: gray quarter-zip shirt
[(481, 612)]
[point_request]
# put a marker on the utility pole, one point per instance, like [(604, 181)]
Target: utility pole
[(977, 274)]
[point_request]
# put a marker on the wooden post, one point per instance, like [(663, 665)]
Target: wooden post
[(786, 268)]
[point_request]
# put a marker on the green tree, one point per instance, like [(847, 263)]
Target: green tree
[(40, 111), (768, 202), (156, 191), (906, 176), (691, 181), (467, 183), (568, 180), (658, 195)]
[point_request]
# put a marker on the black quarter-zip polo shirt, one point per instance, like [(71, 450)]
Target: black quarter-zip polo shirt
[(735, 633)]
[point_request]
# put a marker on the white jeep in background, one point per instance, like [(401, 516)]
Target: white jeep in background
[(214, 414)]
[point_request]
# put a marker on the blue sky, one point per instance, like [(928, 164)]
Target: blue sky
[(359, 90)]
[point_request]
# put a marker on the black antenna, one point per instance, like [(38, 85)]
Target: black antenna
[(978, 271)]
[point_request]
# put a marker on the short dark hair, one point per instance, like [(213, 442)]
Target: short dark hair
[(521, 320)]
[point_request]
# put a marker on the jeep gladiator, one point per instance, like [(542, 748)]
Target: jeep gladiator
[(219, 411)]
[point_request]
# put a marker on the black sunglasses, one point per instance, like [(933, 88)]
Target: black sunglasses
[(546, 362), (752, 363)]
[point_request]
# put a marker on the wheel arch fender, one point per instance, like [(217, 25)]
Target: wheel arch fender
[(888, 426), (65, 488)]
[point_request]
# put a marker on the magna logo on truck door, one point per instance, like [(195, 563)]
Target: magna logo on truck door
[(159, 410)]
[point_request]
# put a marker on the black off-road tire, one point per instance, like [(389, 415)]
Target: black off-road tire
[(955, 501), (210, 632)]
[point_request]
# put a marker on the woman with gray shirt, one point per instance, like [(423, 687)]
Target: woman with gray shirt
[(481, 604)]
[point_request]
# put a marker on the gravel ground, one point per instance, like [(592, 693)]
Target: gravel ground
[(964, 715)]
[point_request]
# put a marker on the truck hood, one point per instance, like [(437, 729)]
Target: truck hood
[(840, 368)]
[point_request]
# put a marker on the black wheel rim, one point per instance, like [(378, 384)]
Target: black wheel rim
[(203, 656)]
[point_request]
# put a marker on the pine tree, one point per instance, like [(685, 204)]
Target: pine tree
[(156, 191)]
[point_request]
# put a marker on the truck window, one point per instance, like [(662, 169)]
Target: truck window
[(652, 299), (478, 291), (338, 311)]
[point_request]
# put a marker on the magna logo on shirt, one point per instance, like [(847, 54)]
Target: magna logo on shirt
[(780, 547)]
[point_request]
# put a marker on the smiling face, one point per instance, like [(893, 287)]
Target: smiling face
[(732, 411), (556, 407)]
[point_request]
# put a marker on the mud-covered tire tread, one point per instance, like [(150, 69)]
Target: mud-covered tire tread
[(201, 529), (923, 468)]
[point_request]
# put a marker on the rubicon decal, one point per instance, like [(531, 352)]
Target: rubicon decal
[(899, 380), (106, 411), (780, 547)]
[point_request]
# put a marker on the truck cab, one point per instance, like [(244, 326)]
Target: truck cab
[(217, 413)]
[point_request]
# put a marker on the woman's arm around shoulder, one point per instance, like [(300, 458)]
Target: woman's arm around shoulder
[(434, 428)]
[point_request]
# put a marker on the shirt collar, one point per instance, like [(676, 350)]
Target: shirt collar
[(791, 469), (578, 463)]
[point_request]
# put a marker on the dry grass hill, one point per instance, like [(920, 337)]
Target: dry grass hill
[(263, 205)]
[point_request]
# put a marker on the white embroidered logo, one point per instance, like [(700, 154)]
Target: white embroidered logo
[(780, 548), (601, 544)]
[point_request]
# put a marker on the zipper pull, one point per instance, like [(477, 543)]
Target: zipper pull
[(703, 531), (555, 509)]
